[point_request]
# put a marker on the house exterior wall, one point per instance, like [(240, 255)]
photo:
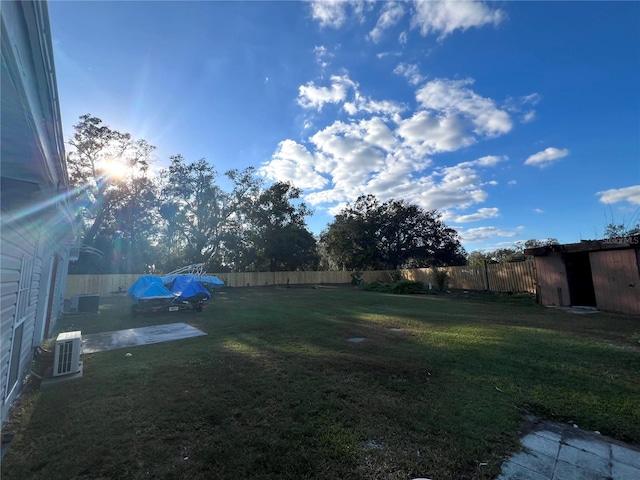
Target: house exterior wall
[(34, 216), (26, 251), (18, 247), (552, 284), (54, 262), (616, 280)]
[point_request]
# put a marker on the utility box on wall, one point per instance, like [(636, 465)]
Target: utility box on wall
[(85, 303)]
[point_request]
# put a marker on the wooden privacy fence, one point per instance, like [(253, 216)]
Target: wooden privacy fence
[(511, 277), (500, 277)]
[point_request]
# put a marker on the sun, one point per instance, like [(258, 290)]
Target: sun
[(115, 169)]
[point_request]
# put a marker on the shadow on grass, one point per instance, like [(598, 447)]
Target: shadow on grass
[(276, 391)]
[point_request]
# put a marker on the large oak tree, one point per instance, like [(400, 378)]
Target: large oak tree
[(395, 234)]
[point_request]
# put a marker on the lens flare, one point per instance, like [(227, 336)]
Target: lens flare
[(115, 169)]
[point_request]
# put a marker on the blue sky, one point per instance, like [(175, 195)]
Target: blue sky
[(516, 120)]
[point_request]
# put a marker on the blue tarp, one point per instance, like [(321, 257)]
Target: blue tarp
[(209, 280), (148, 287), (181, 287), (185, 288)]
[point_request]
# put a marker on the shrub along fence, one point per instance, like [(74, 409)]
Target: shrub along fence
[(500, 277)]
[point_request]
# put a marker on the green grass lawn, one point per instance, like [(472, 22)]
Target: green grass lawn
[(439, 389)]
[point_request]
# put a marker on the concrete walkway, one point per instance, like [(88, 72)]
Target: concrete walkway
[(554, 451)]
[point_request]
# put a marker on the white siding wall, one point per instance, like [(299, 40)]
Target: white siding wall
[(18, 242), (33, 239), (33, 155)]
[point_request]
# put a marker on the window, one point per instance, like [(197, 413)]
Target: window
[(22, 302)]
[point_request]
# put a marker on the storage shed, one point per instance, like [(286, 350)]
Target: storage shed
[(597, 273)]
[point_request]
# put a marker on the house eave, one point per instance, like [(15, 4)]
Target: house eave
[(31, 115)]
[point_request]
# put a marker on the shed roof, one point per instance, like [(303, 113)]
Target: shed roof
[(617, 243)]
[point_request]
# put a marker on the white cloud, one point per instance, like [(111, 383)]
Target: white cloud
[(453, 97), (517, 105), (368, 157), (365, 104), (427, 134), (512, 182), (311, 96), (545, 157), (333, 13), (459, 188), (481, 214), (355, 153), (337, 208), (320, 51), (390, 15), (491, 160), (452, 114), (411, 72), (359, 8), (481, 234), (293, 162), (538, 210), (531, 99), (444, 17), (388, 54), (322, 54), (626, 194), (386, 153), (329, 13), (359, 157), (440, 17), (315, 97), (529, 116), (487, 161)]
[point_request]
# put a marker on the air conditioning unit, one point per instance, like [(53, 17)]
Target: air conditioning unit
[(85, 303), (74, 254), (66, 359)]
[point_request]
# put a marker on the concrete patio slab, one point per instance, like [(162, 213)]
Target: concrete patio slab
[(134, 337), (595, 446), (569, 471), (538, 462), (556, 451), (620, 471), (513, 471), (540, 444), (624, 455), (584, 459)]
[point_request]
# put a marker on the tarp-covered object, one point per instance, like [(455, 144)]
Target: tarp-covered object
[(149, 287), (209, 280), (187, 289)]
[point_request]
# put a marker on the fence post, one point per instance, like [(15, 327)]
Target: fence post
[(486, 275)]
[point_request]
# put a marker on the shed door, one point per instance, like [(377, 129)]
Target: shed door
[(580, 280), (616, 276)]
